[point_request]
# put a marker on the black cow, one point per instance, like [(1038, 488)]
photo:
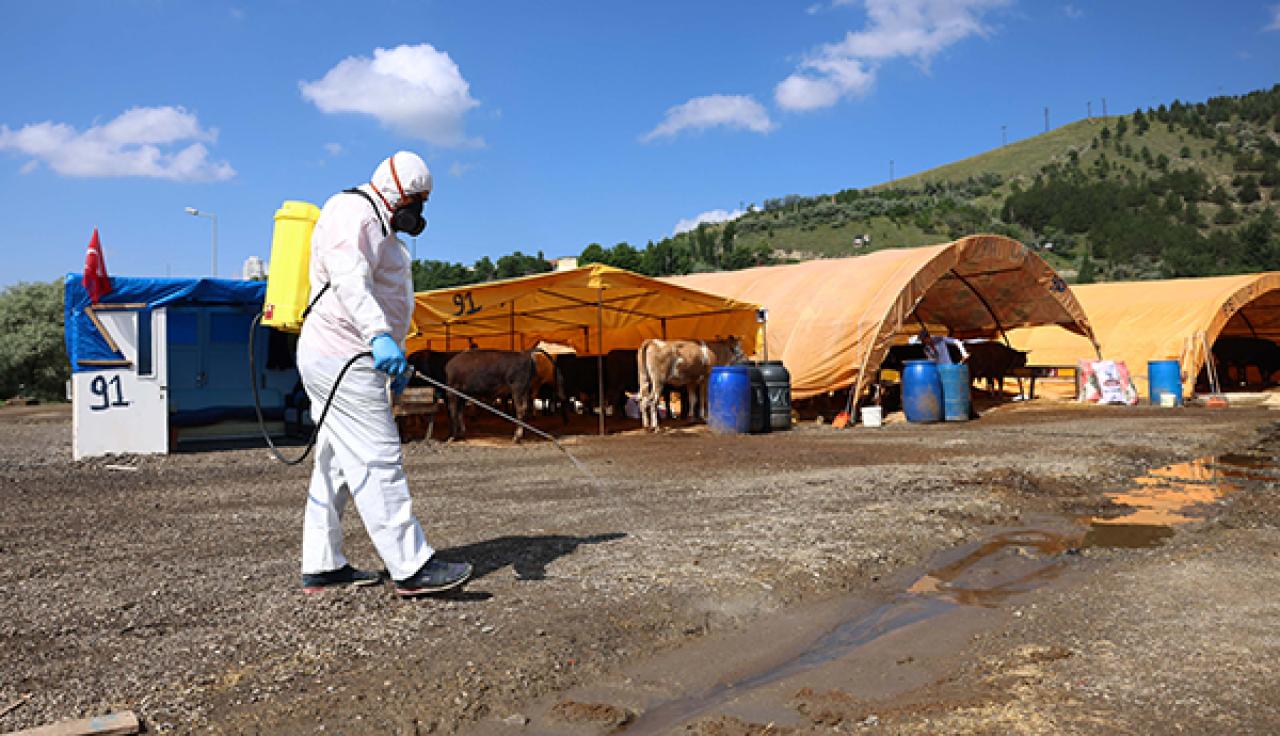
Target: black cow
[(581, 378), (993, 361), (487, 374), (429, 363), (1242, 352), (898, 355)]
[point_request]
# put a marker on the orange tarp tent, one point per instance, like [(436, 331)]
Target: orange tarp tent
[(1140, 321), (831, 321), (593, 309)]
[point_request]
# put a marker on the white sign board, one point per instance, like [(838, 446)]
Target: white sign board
[(118, 409)]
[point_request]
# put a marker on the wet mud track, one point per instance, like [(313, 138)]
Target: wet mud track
[(949, 578)]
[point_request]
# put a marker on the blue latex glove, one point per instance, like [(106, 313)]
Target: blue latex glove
[(400, 382), (387, 356)]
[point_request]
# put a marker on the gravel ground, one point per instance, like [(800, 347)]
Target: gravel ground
[(171, 588)]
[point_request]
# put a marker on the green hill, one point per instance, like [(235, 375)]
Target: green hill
[(1185, 189)]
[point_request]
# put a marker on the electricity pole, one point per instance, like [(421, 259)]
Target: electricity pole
[(1004, 135), (1046, 120)]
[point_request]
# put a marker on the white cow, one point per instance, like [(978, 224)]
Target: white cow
[(662, 363)]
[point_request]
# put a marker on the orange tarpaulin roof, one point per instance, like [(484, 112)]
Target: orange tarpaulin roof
[(1141, 321), (594, 309), (831, 321)]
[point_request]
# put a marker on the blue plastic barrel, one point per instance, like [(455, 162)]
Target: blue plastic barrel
[(955, 392), (1164, 377), (729, 399), (921, 391)]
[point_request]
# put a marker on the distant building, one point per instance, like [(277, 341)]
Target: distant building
[(254, 269), (564, 263)]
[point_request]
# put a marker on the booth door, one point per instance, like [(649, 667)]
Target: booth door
[(209, 360)]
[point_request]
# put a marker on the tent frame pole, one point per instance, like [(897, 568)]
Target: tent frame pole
[(1003, 333), (600, 353)]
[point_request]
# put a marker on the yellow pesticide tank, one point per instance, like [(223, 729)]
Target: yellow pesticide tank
[(289, 279)]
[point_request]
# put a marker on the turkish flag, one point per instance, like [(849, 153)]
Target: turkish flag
[(95, 270)]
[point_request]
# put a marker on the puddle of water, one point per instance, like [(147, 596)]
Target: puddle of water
[(1175, 494), (988, 574), (985, 575)]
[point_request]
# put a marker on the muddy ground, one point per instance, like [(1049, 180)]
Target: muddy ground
[(169, 586)]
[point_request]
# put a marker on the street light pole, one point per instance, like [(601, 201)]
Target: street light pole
[(213, 247)]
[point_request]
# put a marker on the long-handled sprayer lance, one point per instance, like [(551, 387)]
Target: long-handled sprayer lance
[(449, 389)]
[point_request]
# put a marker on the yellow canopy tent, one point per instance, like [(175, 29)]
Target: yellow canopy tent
[(831, 321), (1140, 321), (593, 309)]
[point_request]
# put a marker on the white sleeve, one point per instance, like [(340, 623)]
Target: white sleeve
[(349, 259)]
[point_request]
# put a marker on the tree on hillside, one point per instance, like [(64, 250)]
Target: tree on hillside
[(1248, 192), (519, 264), (33, 356), (1087, 274)]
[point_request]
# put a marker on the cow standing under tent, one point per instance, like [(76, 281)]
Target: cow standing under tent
[(993, 361), (490, 374), (688, 363), (548, 374)]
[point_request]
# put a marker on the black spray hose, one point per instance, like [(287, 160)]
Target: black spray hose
[(257, 400), (311, 443)]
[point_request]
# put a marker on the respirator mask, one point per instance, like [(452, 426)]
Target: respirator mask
[(409, 220)]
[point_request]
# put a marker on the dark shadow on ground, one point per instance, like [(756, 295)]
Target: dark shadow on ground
[(528, 555)]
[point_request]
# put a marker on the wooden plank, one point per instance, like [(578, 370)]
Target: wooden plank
[(113, 724)]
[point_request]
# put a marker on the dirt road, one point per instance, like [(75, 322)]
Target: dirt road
[(842, 580)]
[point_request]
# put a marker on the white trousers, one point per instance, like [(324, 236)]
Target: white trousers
[(358, 456)]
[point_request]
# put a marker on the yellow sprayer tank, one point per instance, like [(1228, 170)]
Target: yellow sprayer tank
[(289, 279)]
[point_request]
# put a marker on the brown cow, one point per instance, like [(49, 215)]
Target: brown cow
[(547, 372), (489, 374), (680, 363)]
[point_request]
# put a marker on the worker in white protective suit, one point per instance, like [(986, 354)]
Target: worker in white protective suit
[(362, 282)]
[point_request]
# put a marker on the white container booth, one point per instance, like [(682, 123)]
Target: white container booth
[(158, 362)]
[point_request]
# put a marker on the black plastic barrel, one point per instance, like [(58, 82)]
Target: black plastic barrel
[(759, 401), (777, 379)]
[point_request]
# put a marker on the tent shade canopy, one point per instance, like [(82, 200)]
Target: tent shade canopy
[(593, 309), (831, 321), (1141, 321)]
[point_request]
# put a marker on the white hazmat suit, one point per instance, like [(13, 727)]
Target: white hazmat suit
[(370, 292)]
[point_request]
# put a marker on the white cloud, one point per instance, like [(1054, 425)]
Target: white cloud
[(912, 29), (333, 149), (1274, 25), (710, 216), (416, 91), (142, 141), (458, 169), (730, 111), (1072, 11)]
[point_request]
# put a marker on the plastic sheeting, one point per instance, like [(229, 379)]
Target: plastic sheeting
[(593, 309), (85, 341), (1141, 321), (831, 321)]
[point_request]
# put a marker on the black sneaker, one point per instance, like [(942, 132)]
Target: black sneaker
[(434, 577), (345, 575)]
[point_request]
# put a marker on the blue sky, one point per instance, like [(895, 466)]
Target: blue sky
[(549, 125)]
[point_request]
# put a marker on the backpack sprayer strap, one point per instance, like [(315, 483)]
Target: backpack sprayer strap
[(381, 224)]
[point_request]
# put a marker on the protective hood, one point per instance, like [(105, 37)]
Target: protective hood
[(413, 174)]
